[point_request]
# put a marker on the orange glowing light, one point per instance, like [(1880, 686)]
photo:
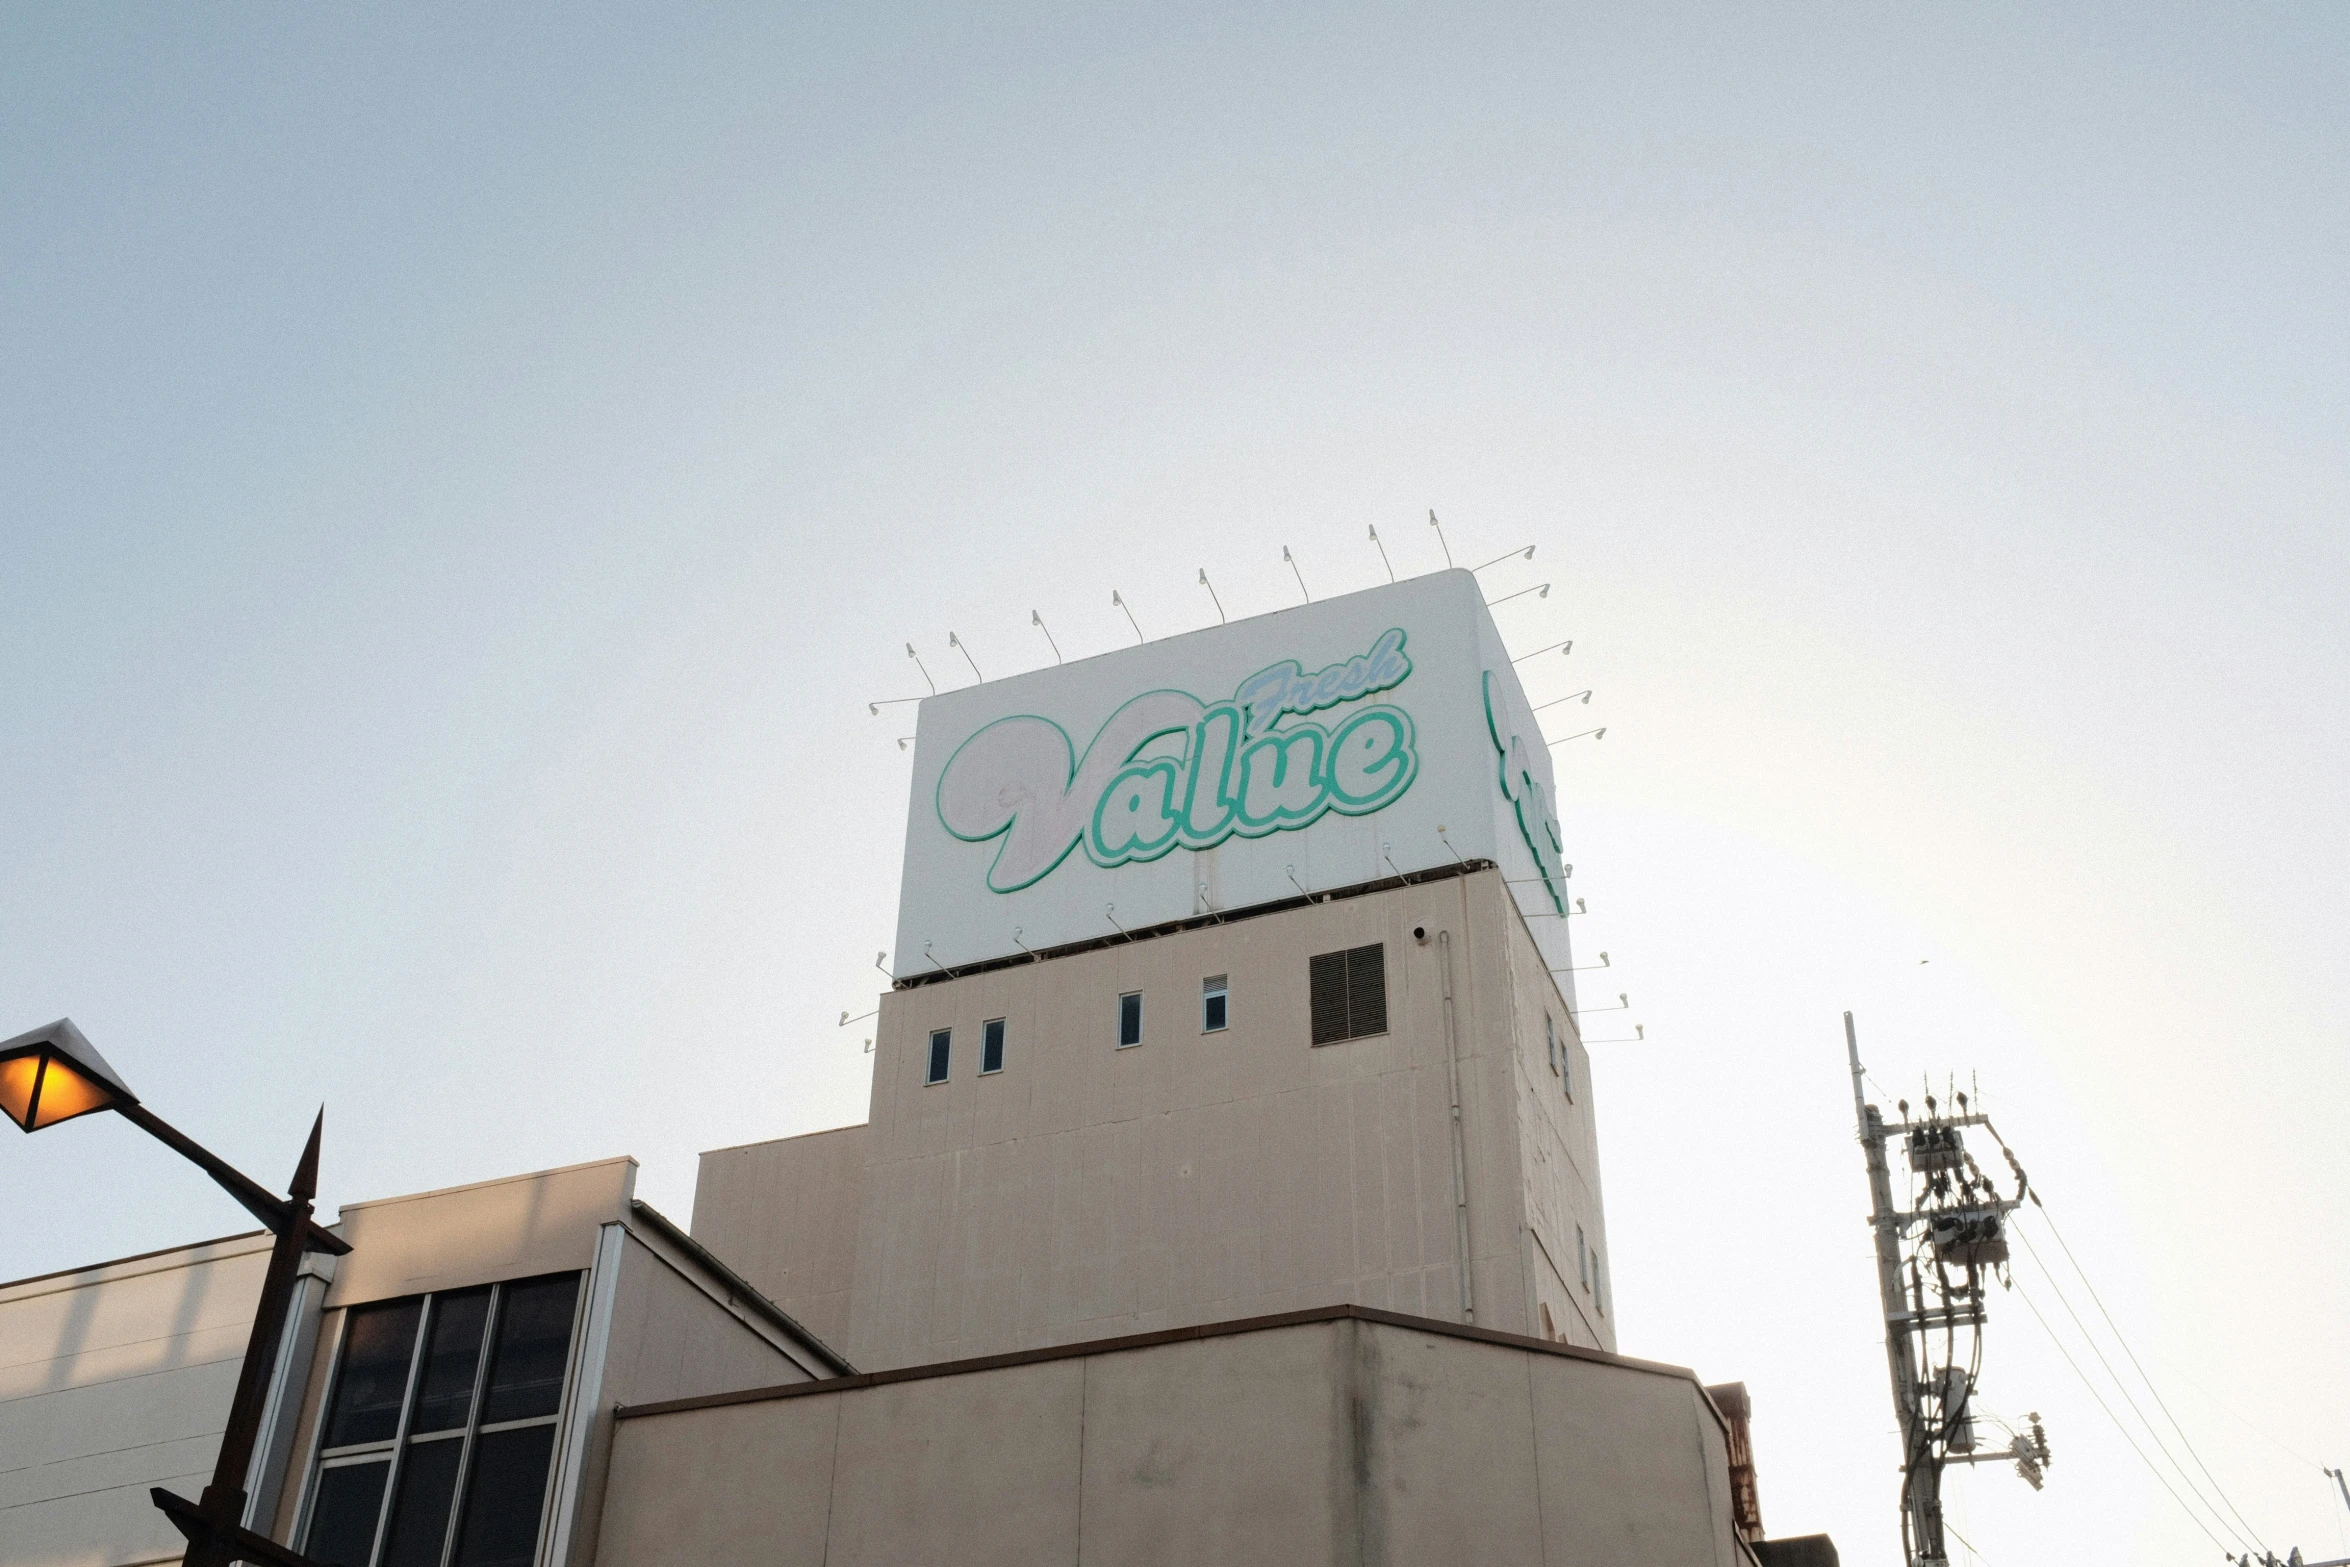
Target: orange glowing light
[(41, 1088)]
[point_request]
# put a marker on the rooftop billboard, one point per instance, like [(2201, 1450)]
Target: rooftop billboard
[(1320, 747)]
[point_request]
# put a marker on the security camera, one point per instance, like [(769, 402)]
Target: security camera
[(1420, 934)]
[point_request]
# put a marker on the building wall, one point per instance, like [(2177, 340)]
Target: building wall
[(1088, 1191), (785, 1213), (1343, 1440), (113, 1379)]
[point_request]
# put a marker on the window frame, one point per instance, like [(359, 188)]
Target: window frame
[(1125, 996), (392, 1452), (1213, 989), (991, 1046), (939, 1065)]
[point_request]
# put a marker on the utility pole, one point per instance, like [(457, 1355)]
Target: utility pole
[(1941, 1247)]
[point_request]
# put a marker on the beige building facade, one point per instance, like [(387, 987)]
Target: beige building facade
[(444, 1392), (1336, 1437), (1218, 1168)]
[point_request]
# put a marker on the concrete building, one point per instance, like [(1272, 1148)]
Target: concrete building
[(1229, 1194), (1216, 1170), (481, 1334)]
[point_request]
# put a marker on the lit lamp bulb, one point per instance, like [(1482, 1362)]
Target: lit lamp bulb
[(53, 1074)]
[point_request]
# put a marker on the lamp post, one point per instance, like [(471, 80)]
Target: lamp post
[(54, 1074)]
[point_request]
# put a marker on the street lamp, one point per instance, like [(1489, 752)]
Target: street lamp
[(54, 1074)]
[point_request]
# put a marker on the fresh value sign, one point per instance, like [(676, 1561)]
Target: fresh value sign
[(1252, 764), (1325, 746)]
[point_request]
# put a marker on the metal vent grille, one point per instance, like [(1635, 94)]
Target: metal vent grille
[(1348, 993)]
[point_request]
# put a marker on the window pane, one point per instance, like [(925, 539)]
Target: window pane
[(534, 1342), (1326, 982), (1366, 991), (452, 1351), (1129, 1020), (374, 1379), (503, 1503), (991, 1046), (420, 1515), (942, 1044), (342, 1518), (1212, 1012)]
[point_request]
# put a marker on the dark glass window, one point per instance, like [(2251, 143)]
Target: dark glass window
[(1130, 1019), (534, 1341), (420, 1518), (1347, 993), (509, 1493), (1214, 1004), (377, 1353), (344, 1515), (448, 1405), (991, 1046), (942, 1044), (452, 1355)]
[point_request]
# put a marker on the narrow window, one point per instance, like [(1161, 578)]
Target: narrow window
[(1130, 1019), (1598, 1281), (1550, 1037), (1567, 1067), (991, 1046), (942, 1049), (1213, 1004), (1582, 1260), (1347, 993)]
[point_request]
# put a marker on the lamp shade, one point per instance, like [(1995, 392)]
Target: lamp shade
[(53, 1074)]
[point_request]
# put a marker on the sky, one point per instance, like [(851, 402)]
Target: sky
[(464, 474)]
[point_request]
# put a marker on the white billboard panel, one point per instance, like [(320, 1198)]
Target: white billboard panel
[(1321, 747)]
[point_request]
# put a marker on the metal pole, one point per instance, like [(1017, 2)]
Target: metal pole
[(1921, 1478), (215, 1525)]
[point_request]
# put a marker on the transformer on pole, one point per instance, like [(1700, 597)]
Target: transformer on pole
[(1932, 1261)]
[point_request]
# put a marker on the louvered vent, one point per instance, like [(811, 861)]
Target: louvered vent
[(1348, 993)]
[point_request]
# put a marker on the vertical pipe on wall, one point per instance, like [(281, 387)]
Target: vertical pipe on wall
[(1460, 1158)]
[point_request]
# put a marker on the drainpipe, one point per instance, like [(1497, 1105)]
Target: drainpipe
[(1460, 1158)]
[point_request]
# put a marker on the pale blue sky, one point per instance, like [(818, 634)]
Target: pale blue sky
[(463, 472)]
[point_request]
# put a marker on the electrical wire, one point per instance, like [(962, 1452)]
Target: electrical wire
[(2149, 1381), (2117, 1425), (1963, 1540), (2123, 1388)]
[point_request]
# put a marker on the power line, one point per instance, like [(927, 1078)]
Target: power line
[(2117, 1425), (2050, 1220), (2123, 1388)]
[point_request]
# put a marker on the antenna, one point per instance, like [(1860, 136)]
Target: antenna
[(1211, 587), (1527, 553), (1110, 913), (1597, 734), (888, 701), (1565, 648), (846, 1020), (1293, 571), (1583, 697), (877, 957), (1383, 560), (1639, 1033), (1036, 619), (1439, 527), (1541, 592), (1116, 599), (918, 664), (956, 643), (1585, 968), (904, 741)]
